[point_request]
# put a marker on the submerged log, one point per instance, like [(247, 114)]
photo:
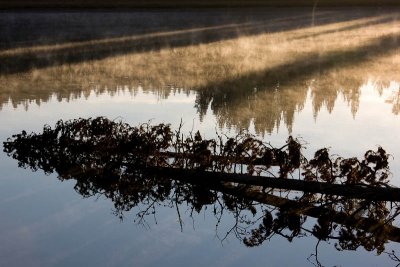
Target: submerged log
[(367, 192), (384, 230)]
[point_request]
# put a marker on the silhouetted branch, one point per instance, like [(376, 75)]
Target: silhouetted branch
[(150, 165)]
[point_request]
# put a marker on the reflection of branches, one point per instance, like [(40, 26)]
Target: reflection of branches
[(392, 255), (152, 166), (179, 215), (141, 215), (240, 208), (317, 263)]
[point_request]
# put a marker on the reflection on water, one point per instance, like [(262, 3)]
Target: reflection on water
[(248, 66), (267, 110), (393, 98), (330, 77), (132, 167)]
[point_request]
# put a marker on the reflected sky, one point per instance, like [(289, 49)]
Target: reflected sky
[(126, 165), (56, 219), (330, 78)]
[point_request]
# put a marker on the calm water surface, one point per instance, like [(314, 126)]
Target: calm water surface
[(330, 78)]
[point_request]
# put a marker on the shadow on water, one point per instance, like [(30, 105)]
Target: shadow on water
[(375, 21), (267, 95), (130, 166), (80, 37), (282, 89), (30, 29)]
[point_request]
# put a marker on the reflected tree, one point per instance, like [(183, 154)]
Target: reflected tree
[(149, 166)]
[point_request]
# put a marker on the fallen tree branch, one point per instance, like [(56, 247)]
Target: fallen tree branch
[(350, 191), (386, 231)]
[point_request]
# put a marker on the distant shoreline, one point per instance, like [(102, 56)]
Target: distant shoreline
[(121, 4)]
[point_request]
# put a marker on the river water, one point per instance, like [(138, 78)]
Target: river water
[(329, 77)]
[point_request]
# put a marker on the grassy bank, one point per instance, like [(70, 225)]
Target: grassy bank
[(5, 4)]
